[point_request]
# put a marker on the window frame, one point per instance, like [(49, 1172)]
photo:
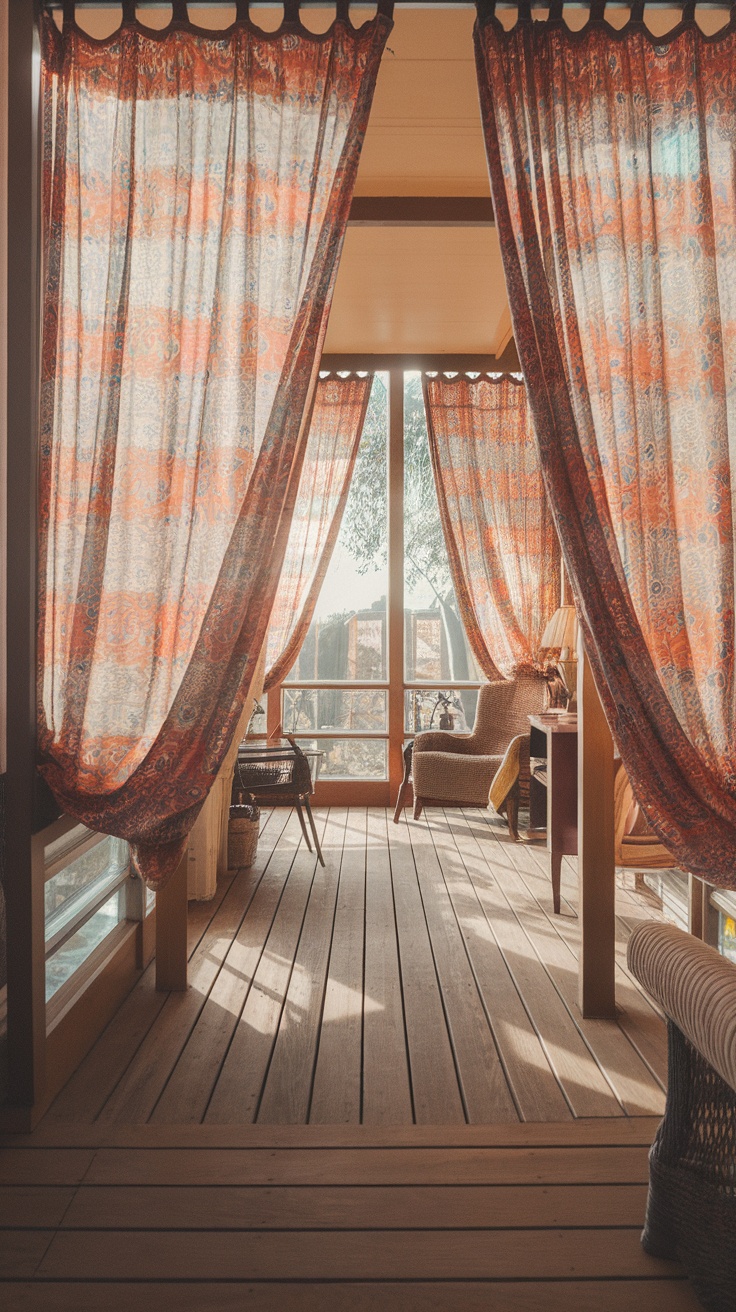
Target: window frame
[(373, 792)]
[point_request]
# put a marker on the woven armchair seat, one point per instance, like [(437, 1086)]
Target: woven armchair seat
[(458, 769), (454, 776), (691, 1207)]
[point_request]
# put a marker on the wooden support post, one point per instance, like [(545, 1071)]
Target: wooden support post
[(24, 892), (697, 906), (396, 582), (596, 867), (171, 932)]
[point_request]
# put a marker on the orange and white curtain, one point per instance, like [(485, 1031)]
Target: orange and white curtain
[(196, 192), (335, 431), (612, 156), (500, 536)]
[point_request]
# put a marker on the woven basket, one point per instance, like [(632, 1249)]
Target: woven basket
[(242, 836)]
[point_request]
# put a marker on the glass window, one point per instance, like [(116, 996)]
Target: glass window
[(435, 646), (347, 637), (84, 899), (727, 936), (83, 880), (439, 708), (258, 721), (349, 758), (75, 950), (360, 710), (723, 922)]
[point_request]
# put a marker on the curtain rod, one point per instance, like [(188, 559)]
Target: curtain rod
[(675, 5)]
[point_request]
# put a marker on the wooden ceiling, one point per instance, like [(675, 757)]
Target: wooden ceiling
[(430, 288)]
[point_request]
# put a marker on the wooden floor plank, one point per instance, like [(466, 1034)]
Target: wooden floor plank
[(21, 1252), (555, 941), (187, 1093), (57, 1166), (637, 1018), (287, 1092), (86, 1092), (485, 1090), (598, 1131), (137, 1093), (397, 1166), (350, 1208), (386, 1080), (655, 1295), (536, 1090), (436, 1091), (36, 1206), (336, 1093), (573, 1062), (360, 1255), (237, 1092)]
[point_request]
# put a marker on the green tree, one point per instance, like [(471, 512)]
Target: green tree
[(363, 530)]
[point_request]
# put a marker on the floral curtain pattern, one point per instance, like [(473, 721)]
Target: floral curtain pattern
[(500, 536), (338, 416), (196, 192), (613, 172)]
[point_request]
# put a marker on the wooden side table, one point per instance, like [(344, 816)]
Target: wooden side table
[(553, 749)]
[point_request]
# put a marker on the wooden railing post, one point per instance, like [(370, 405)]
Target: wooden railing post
[(171, 932), (596, 864), (26, 1032)]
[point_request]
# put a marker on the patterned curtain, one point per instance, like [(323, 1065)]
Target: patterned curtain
[(499, 532), (196, 189), (334, 437), (613, 170)]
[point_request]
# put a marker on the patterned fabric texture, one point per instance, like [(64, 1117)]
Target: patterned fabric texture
[(334, 437), (612, 157), (499, 531), (196, 192)]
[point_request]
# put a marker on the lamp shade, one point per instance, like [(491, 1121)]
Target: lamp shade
[(561, 631)]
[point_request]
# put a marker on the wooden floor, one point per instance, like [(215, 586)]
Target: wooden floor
[(513, 1218), (421, 977), (419, 984)]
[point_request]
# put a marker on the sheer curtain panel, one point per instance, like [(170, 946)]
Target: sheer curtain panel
[(196, 191), (334, 437), (612, 157), (500, 536)]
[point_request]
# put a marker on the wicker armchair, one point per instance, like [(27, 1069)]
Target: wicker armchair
[(450, 769), (691, 1209)]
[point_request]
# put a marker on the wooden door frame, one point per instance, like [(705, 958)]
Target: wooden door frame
[(377, 792)]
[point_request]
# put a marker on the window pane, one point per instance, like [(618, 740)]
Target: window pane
[(349, 758), (439, 708), (347, 636), (727, 936), (435, 646), (258, 722), (312, 708), (72, 954), (81, 881)]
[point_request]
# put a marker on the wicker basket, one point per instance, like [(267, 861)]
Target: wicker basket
[(242, 835)]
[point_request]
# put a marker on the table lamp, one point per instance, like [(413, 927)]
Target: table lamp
[(560, 647)]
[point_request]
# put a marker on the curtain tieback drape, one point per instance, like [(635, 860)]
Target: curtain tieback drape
[(332, 446), (196, 192), (500, 536), (612, 157)]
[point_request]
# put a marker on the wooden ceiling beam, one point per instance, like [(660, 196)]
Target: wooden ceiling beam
[(421, 212)]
